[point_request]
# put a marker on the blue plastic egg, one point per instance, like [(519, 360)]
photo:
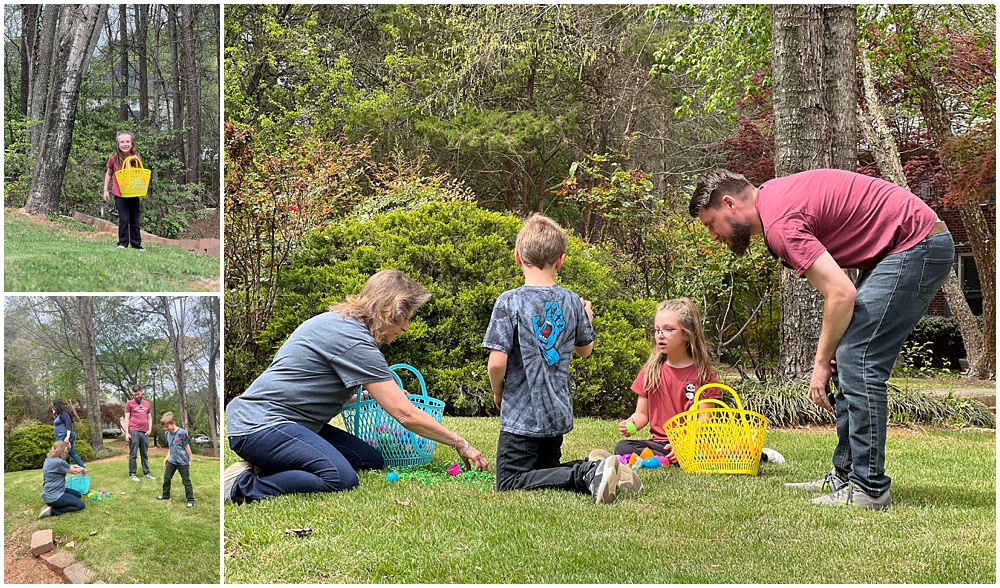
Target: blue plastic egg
[(392, 477), (651, 462)]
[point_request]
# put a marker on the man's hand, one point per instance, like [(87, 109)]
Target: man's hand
[(819, 385), (128, 436)]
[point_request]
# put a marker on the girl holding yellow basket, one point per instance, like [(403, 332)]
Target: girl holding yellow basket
[(125, 155)]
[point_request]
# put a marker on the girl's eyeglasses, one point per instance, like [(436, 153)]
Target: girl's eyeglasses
[(662, 332)]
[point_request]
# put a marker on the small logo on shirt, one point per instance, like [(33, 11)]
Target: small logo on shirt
[(689, 391), (547, 331)]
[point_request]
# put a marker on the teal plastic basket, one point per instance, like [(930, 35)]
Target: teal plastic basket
[(367, 420), (78, 482)]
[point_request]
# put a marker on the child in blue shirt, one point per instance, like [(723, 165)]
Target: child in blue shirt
[(532, 334), (178, 459)]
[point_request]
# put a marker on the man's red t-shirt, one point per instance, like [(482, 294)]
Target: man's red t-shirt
[(674, 395), (857, 218), (139, 417)]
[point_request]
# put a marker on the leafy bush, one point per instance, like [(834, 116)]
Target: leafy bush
[(83, 448), (27, 446), (463, 255), (108, 452), (943, 335)]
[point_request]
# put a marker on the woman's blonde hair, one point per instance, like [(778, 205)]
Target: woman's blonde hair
[(119, 155), (386, 297), (697, 347), (59, 449)]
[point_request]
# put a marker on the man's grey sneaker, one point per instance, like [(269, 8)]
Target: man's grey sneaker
[(828, 483), (231, 474), (162, 497), (628, 480), (190, 503), (604, 486), (771, 456), (46, 512), (598, 455), (148, 477), (134, 477), (851, 495)]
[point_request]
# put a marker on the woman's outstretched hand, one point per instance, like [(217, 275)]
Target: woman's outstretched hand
[(471, 456)]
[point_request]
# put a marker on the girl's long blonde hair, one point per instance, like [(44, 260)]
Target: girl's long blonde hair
[(119, 155), (386, 297), (697, 347), (59, 449)]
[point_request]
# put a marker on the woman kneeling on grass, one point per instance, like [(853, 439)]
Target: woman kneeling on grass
[(58, 498), (280, 425)]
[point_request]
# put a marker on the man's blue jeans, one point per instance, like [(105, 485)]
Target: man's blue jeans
[(293, 459), (891, 298), (139, 442)]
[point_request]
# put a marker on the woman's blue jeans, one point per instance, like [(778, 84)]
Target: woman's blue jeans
[(891, 298), (293, 459), (69, 502), (72, 448)]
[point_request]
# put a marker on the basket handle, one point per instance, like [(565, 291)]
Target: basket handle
[(411, 369), (127, 160), (697, 395)]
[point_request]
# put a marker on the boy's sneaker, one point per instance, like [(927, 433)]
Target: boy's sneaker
[(598, 455), (629, 480), (148, 476), (828, 483), (190, 503), (122, 247), (134, 477), (231, 474), (604, 485), (46, 512), (771, 456), (162, 497), (851, 495)]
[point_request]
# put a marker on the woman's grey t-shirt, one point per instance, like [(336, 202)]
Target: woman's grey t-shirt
[(312, 376), (54, 472), (537, 327)]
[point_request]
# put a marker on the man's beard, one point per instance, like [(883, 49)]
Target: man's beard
[(739, 242)]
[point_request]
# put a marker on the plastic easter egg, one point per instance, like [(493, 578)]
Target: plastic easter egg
[(392, 477), (663, 460), (623, 459), (630, 427), (651, 462)]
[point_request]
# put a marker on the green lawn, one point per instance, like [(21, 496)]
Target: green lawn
[(67, 256), (683, 529), (139, 539)]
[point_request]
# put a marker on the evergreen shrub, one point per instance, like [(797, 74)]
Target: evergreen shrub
[(463, 255)]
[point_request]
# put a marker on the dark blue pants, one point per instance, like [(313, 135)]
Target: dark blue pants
[(128, 221), (139, 443), (293, 459), (532, 463), (72, 448), (68, 502), (185, 471)]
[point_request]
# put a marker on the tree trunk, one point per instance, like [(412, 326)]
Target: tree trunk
[(29, 33), (982, 240), (141, 34), (123, 54), (814, 127), (178, 119), (886, 155), (213, 367), (40, 74), (80, 27), (193, 173), (177, 335), (88, 349)]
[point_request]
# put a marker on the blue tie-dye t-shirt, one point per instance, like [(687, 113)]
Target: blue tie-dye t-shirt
[(537, 327)]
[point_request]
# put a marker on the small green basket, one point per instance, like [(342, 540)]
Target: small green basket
[(367, 420), (78, 482)]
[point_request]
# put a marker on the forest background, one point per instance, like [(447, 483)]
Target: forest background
[(75, 75)]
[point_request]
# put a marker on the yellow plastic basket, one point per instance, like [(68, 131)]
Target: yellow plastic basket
[(133, 180), (717, 440)]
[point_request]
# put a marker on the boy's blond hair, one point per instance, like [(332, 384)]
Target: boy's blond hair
[(386, 297), (167, 418), (541, 241)]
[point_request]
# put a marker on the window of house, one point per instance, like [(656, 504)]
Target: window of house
[(968, 277)]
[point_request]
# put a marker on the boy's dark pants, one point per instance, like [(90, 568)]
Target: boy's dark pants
[(168, 472), (532, 463)]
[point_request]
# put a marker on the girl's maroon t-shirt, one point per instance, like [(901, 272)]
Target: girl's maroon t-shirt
[(113, 166), (674, 395), (857, 218)]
